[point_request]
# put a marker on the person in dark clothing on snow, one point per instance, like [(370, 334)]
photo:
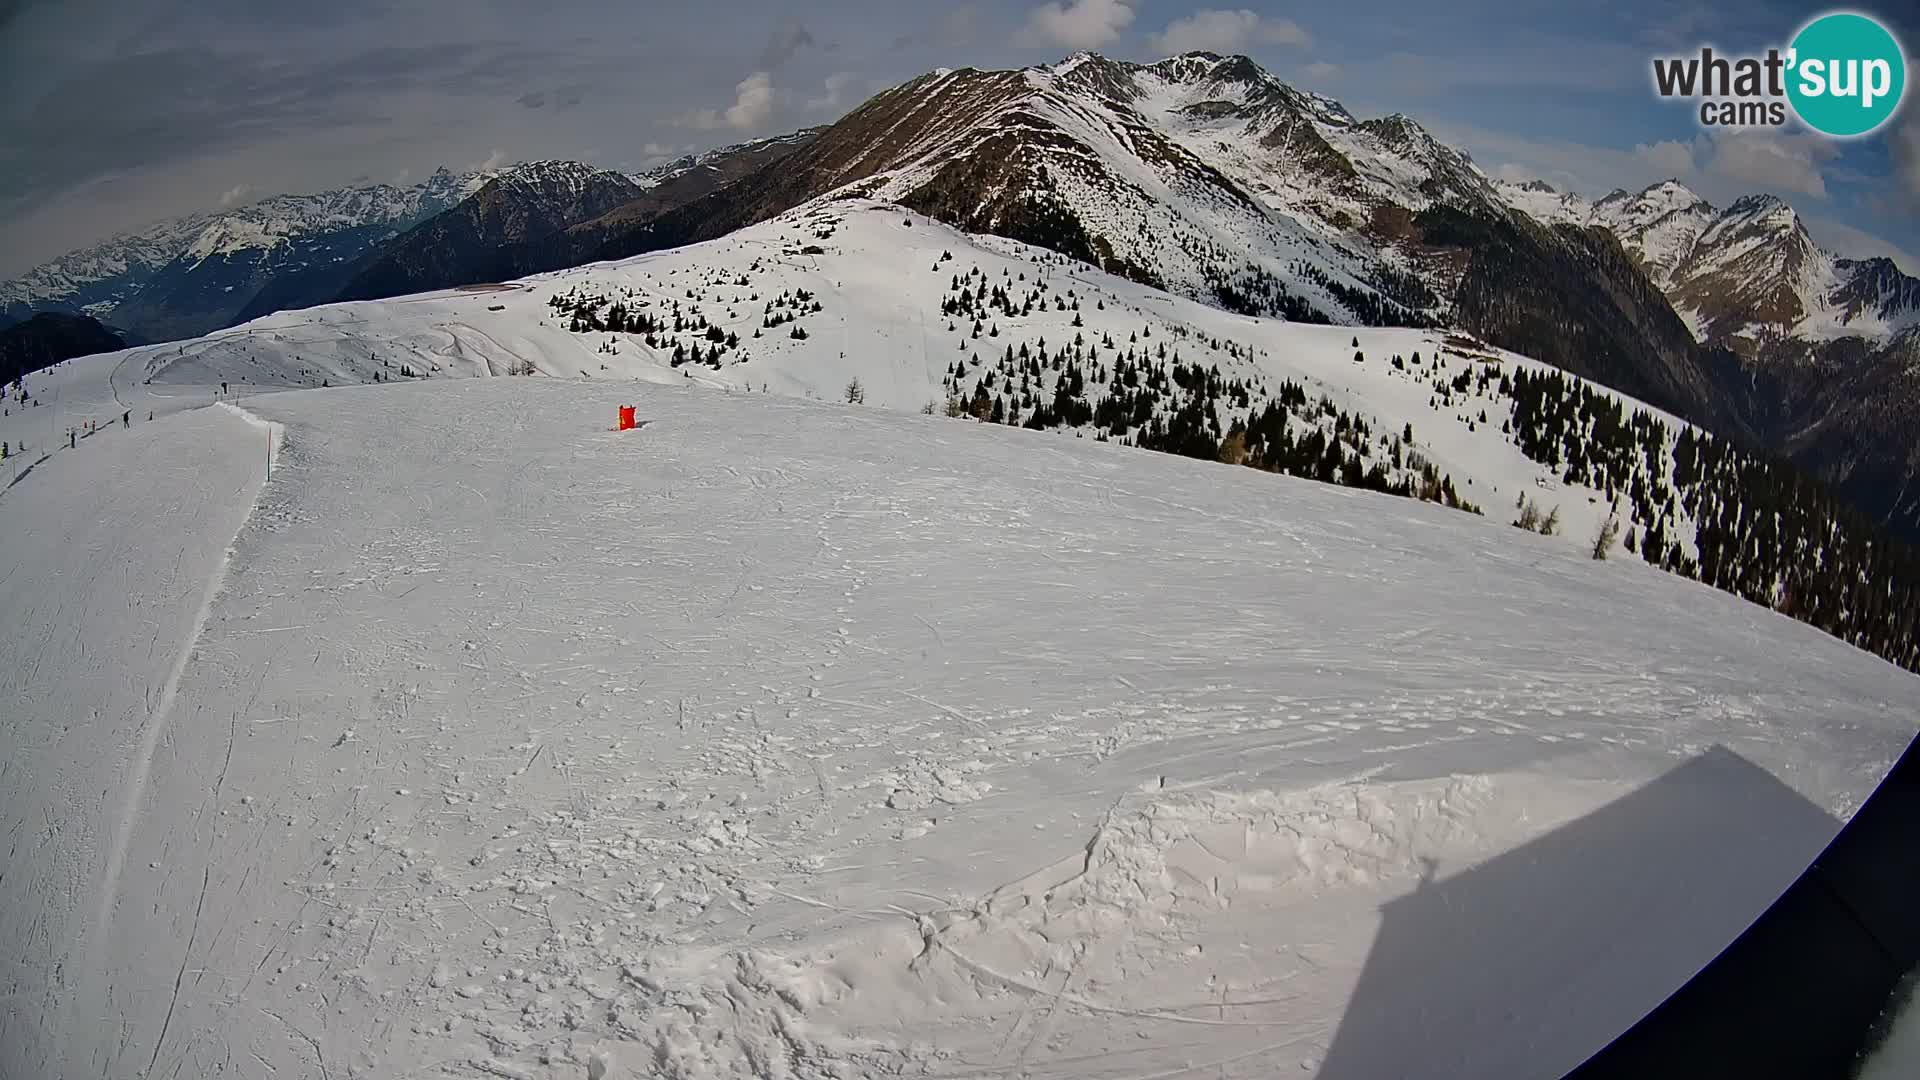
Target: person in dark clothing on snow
[(126, 419)]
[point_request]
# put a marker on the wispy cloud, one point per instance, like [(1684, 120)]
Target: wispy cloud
[(234, 194), (787, 39)]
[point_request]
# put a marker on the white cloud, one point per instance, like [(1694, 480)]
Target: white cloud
[(1788, 164), (1320, 69), (494, 160), (835, 98), (753, 102), (234, 194), (752, 107), (1213, 30), (1667, 158), (1077, 24)]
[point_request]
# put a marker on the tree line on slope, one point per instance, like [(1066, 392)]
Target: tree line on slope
[(1744, 523)]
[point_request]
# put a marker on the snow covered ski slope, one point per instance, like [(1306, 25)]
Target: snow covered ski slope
[(847, 289), (799, 739)]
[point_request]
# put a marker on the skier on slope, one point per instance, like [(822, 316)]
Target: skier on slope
[(126, 419)]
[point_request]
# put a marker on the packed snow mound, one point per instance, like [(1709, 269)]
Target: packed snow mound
[(790, 738)]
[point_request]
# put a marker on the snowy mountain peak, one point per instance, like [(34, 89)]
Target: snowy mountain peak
[(1649, 203), (1399, 126), (1214, 69), (549, 174), (1763, 208), (1672, 191), (1760, 220), (1096, 75), (1074, 62), (1657, 200)]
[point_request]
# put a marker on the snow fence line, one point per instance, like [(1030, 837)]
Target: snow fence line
[(275, 433)]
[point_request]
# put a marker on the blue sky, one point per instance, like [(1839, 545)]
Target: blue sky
[(115, 113)]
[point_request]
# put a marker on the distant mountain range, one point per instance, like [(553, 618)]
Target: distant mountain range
[(1748, 277), (1201, 174), (544, 215), (206, 271)]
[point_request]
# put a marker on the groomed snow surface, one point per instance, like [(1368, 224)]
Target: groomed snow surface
[(792, 739)]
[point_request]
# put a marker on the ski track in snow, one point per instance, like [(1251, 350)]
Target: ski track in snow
[(787, 739), (152, 731), (119, 547)]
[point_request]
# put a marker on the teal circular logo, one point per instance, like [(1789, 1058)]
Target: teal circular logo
[(1846, 75)]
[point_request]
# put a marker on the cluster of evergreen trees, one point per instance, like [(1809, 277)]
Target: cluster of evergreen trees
[(1143, 393), (1342, 452), (1370, 308), (974, 297), (1253, 290), (1751, 525), (683, 332)]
